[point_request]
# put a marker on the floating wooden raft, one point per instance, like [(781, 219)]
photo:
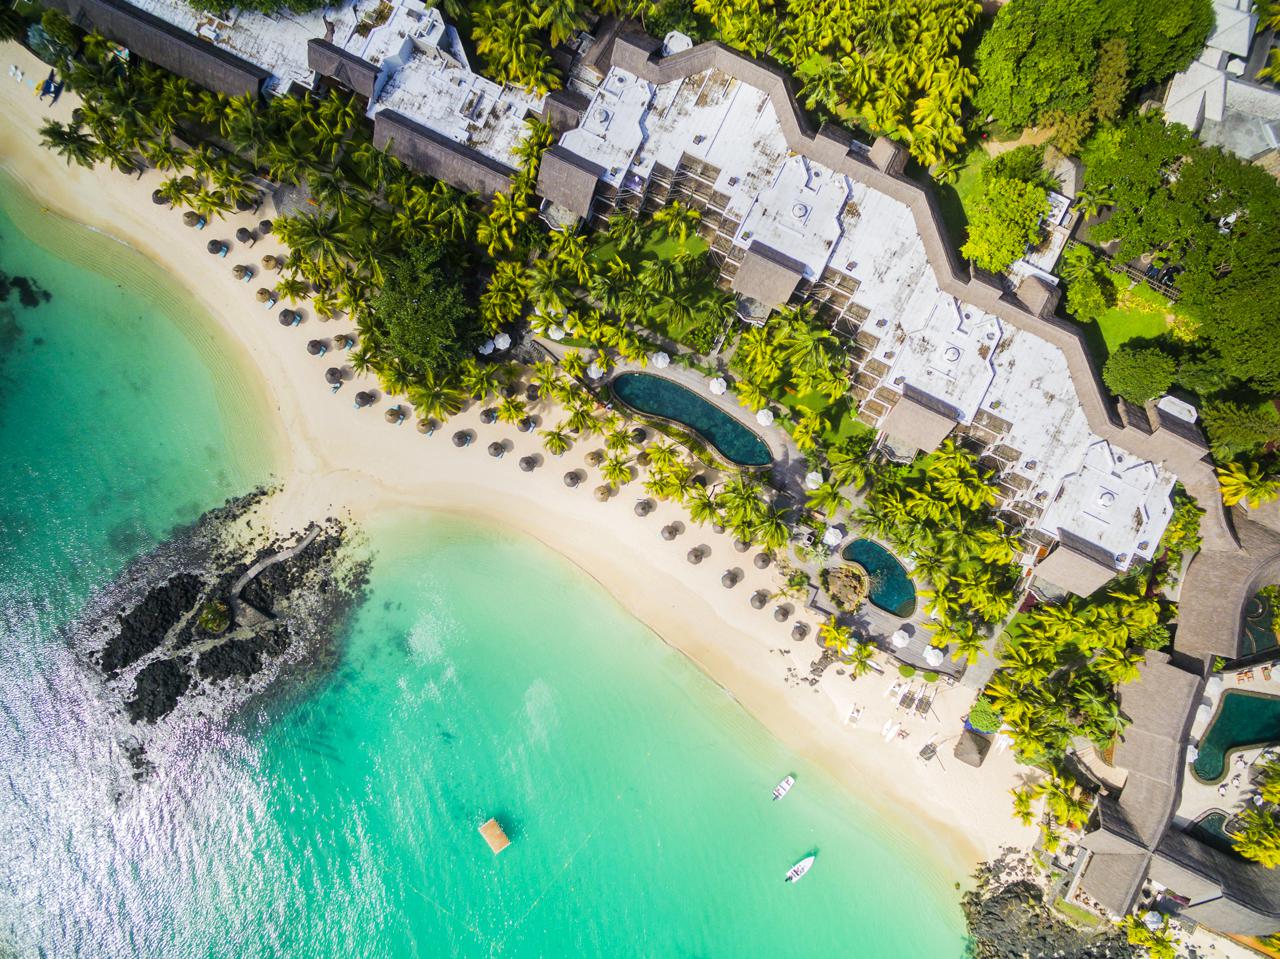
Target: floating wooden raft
[(494, 836)]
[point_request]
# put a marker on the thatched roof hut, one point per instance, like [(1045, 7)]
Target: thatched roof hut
[(767, 275), (972, 748), (432, 154), (463, 438), (355, 73)]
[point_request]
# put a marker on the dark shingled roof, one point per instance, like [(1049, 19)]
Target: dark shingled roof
[(166, 46), (767, 275), (1113, 879), (353, 72), (919, 421), (1225, 893), (1220, 583), (435, 155), (972, 747), (1073, 569), (568, 180)]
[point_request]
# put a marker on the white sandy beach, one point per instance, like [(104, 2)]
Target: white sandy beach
[(334, 458)]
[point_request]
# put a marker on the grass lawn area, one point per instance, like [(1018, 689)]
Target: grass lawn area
[(656, 246), (847, 425), (1138, 313), (955, 199), (1077, 914)]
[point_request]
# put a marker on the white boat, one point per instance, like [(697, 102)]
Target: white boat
[(799, 869), (783, 787), (855, 713)]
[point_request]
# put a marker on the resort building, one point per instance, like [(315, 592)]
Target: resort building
[(792, 215), (1219, 98)]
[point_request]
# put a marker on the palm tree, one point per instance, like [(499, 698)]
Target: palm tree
[(293, 289), (704, 506), (752, 396), (70, 142), (771, 530), (860, 659), (624, 231), (478, 380), (1257, 837), (556, 441), (618, 439), (1241, 482), (616, 470), (677, 220), (574, 364), (437, 395), (834, 636), (828, 499), (511, 410), (1023, 811)]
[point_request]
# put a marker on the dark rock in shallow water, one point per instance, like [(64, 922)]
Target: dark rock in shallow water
[(157, 689), (144, 628), (240, 657)]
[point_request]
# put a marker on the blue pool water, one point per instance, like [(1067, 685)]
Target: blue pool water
[(891, 587), (661, 397), (1243, 719)]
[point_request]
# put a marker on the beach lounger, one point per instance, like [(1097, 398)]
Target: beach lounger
[(1246, 676)]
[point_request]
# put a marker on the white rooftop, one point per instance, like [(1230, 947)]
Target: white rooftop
[(799, 213), (1115, 501), (1233, 26)]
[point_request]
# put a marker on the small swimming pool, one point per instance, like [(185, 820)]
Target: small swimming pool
[(1258, 632), (1211, 829), (1243, 719), (891, 587), (661, 397)]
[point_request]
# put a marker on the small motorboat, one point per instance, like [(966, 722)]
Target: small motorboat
[(854, 715), (783, 787), (796, 872)]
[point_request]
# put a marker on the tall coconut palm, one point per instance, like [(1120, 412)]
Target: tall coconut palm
[(616, 470), (704, 506), (70, 142), (556, 440), (1246, 483), (828, 498), (512, 409), (438, 395), (834, 636)]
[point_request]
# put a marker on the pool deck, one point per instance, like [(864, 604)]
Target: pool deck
[(1199, 798)]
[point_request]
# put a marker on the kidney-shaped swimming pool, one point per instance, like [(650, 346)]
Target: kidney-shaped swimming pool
[(657, 396)]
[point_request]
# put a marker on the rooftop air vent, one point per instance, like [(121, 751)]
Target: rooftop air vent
[(951, 354), (1106, 499), (799, 211)]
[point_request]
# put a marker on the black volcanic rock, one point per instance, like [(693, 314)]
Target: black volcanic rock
[(157, 689), (144, 628)]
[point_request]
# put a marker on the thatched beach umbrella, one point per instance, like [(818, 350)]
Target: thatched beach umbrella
[(265, 296), (527, 464), (241, 272), (572, 479), (363, 399), (643, 458), (316, 347), (699, 479), (246, 236), (526, 424), (741, 545), (643, 507), (603, 492), (759, 598), (669, 532), (264, 227), (595, 458), (244, 205), (780, 613), (394, 415), (532, 394), (192, 218), (799, 631), (497, 450), (427, 426), (290, 317), (217, 247), (488, 415), (638, 435), (761, 561), (333, 376), (717, 527), (694, 556), (729, 579), (270, 262), (463, 438)]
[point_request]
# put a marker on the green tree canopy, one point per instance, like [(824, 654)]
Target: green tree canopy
[(1139, 373), (1043, 56), (1215, 216), (1005, 219), (422, 313)]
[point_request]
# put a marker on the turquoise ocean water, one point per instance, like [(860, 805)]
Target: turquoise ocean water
[(484, 676)]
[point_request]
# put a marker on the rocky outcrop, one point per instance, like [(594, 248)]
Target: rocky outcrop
[(217, 615)]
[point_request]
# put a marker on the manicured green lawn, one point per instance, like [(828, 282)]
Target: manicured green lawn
[(1138, 313), (955, 200), (846, 424), (655, 245), (1077, 914)]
